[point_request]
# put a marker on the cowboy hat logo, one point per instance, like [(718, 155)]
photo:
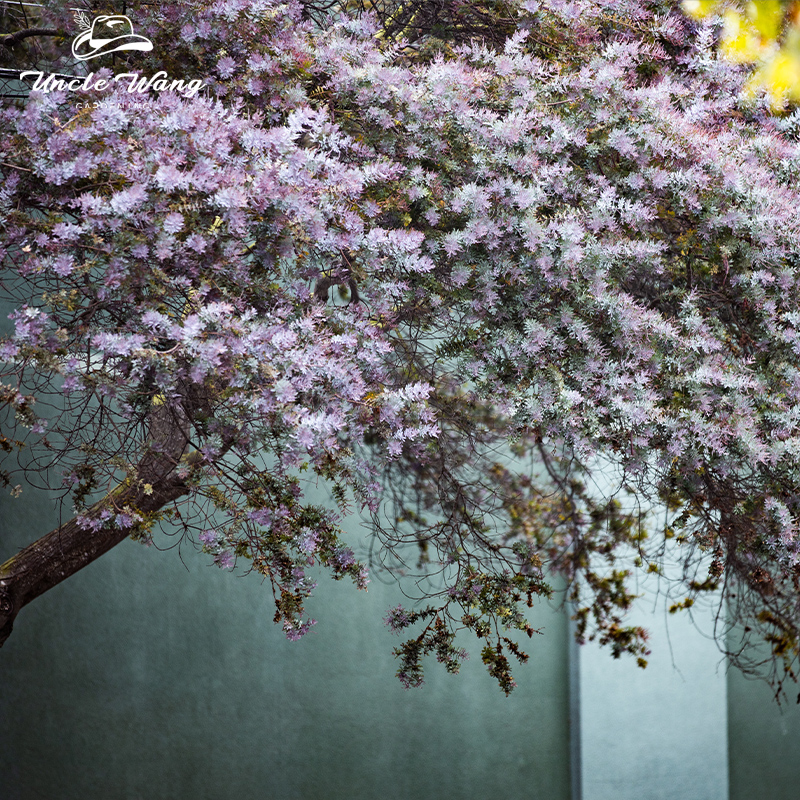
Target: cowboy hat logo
[(107, 34)]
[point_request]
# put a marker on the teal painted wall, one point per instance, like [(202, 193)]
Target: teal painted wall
[(763, 741), (140, 677), (658, 733)]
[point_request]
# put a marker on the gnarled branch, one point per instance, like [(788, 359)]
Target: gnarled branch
[(10, 39)]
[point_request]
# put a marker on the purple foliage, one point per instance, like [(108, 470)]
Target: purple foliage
[(585, 247)]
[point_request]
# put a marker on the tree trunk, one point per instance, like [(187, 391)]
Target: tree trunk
[(70, 547), (62, 552)]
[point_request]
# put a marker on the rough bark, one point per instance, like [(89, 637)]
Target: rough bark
[(70, 547)]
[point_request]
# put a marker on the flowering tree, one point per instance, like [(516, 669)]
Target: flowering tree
[(529, 302)]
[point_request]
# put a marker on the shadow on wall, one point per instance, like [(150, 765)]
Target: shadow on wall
[(763, 741)]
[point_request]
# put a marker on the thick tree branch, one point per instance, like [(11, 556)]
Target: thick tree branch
[(10, 39), (70, 547)]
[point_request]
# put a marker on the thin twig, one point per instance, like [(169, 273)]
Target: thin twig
[(23, 169)]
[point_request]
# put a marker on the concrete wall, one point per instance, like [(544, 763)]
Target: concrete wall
[(763, 741), (658, 733), (154, 675)]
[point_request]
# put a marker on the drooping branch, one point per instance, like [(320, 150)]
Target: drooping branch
[(11, 39)]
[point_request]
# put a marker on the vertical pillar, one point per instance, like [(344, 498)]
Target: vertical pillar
[(658, 733)]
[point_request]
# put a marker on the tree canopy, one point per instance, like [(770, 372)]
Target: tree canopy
[(525, 294)]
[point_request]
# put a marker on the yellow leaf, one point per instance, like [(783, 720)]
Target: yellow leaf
[(766, 16), (700, 8), (741, 42), (779, 76)]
